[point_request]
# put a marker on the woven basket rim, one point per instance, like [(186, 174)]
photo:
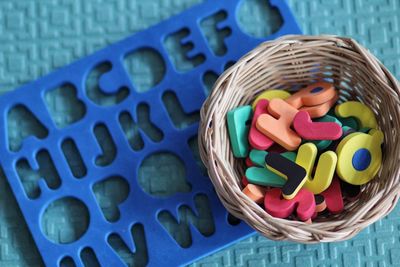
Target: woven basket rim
[(272, 59)]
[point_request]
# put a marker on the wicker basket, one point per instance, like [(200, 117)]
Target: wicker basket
[(293, 61)]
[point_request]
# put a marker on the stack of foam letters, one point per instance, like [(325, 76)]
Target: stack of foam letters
[(281, 135)]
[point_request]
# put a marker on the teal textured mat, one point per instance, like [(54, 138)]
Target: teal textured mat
[(37, 37)]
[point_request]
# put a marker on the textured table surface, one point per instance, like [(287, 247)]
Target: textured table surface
[(37, 37)]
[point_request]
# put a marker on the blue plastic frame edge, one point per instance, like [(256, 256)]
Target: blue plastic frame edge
[(191, 93)]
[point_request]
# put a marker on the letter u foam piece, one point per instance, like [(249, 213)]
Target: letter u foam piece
[(325, 168)]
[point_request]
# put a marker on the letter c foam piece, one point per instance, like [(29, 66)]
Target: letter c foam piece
[(358, 110), (271, 94)]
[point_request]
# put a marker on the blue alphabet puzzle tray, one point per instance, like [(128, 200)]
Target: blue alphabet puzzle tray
[(92, 123)]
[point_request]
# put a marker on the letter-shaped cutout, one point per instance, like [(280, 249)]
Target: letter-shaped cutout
[(358, 110), (312, 95), (276, 124), (325, 169), (320, 110), (333, 197), (303, 203), (292, 172), (310, 130), (269, 95), (256, 138), (238, 130), (255, 192), (359, 157)]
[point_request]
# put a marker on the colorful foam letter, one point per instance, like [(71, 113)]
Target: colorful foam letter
[(310, 130), (325, 169), (292, 172), (320, 203), (257, 157), (276, 124), (248, 162), (263, 176), (323, 144), (312, 95), (359, 157), (304, 204), (257, 139), (349, 121), (321, 109), (271, 94), (358, 110), (244, 181), (238, 130), (255, 192), (333, 197)]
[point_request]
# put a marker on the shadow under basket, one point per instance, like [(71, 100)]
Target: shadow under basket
[(290, 62)]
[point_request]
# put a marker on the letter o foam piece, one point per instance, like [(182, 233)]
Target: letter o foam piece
[(325, 168), (303, 203), (358, 110), (352, 164), (271, 94)]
